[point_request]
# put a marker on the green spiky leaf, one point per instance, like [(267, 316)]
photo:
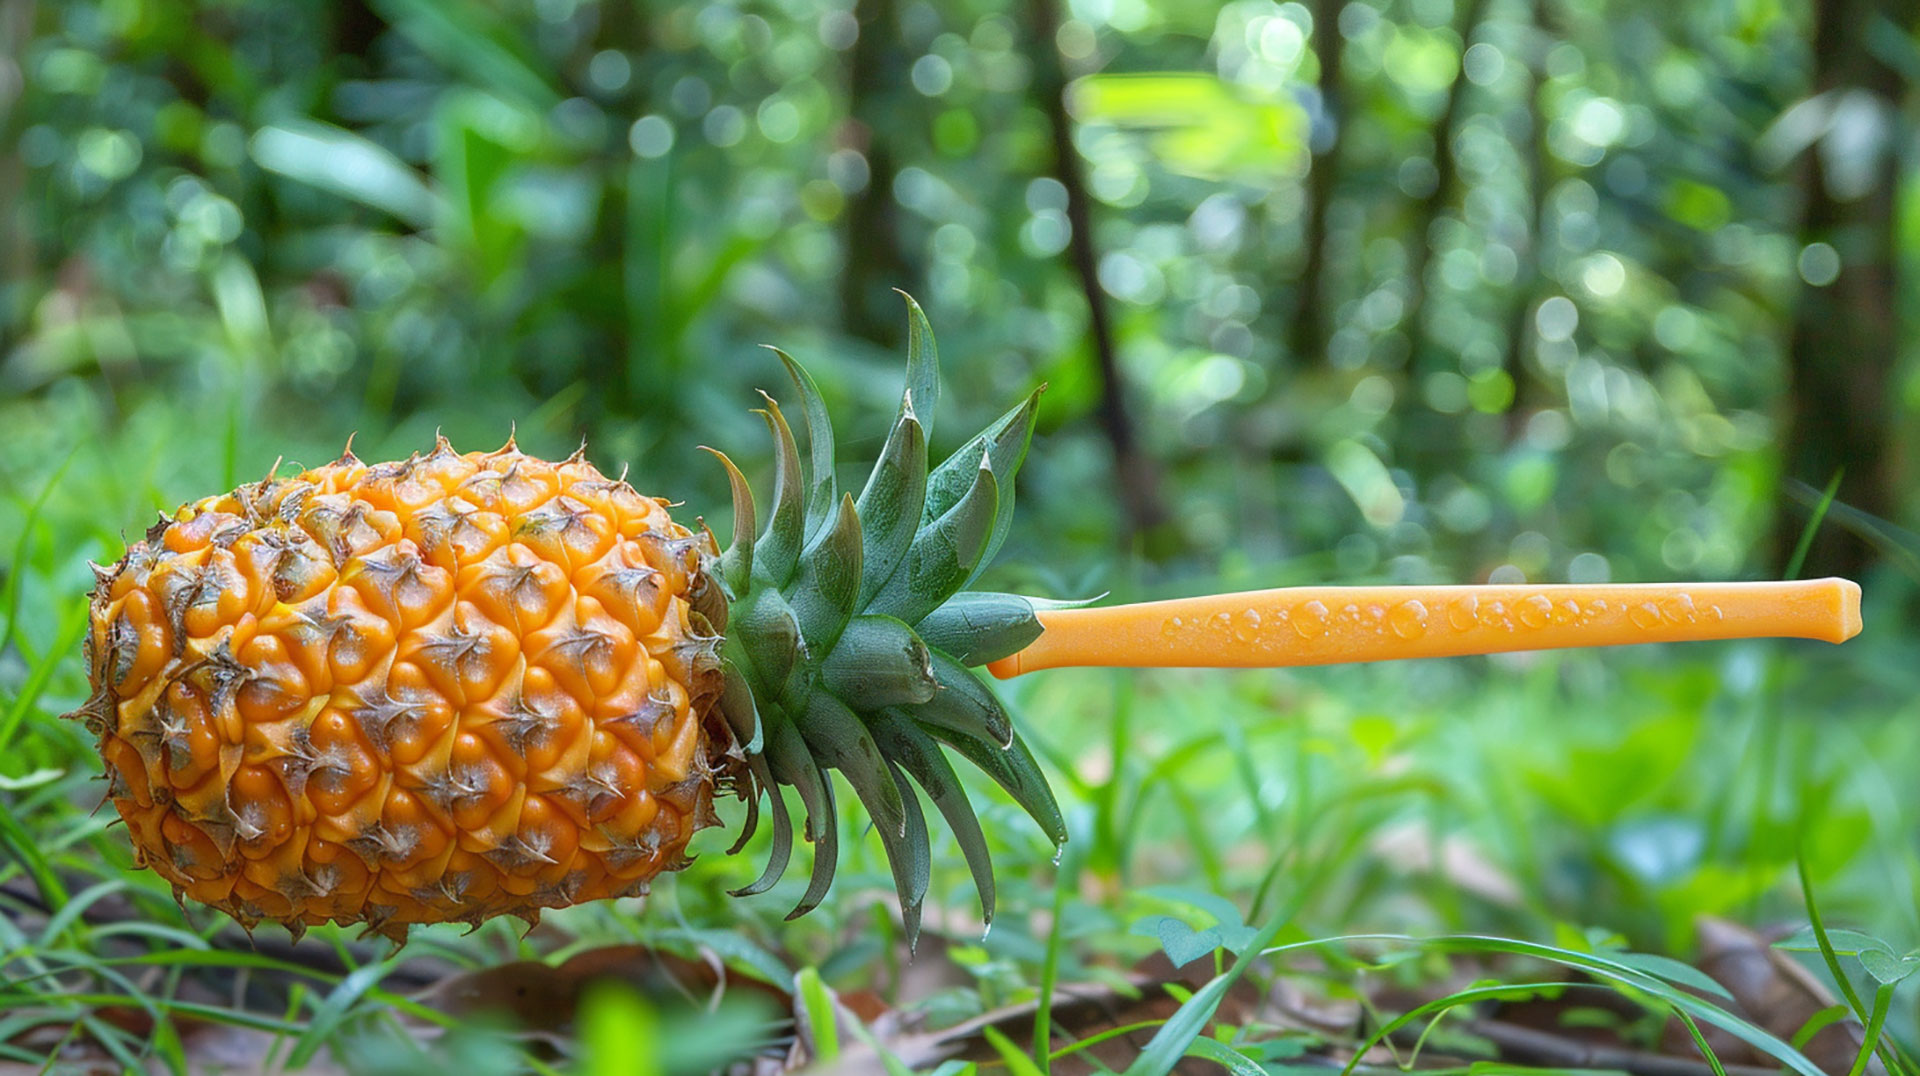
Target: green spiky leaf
[(820, 486), (943, 553), (1013, 768), (1004, 445), (768, 637), (916, 752), (979, 627), (840, 741), (890, 505), (824, 669), (736, 564), (923, 364), (791, 763), (778, 550), (963, 703), (878, 662), (829, 580), (910, 855), (781, 848), (738, 707)]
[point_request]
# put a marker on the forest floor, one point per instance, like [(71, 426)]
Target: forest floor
[(1594, 860)]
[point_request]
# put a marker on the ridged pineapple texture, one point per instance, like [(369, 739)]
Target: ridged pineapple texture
[(465, 685), (450, 687)]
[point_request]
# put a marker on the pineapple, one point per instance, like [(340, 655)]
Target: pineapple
[(458, 686)]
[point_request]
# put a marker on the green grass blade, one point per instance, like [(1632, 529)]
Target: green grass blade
[(1064, 880), (1235, 1062), (21, 549), (1177, 1035), (1876, 1025), (1800, 548), (70, 912), (73, 627), (26, 851), (334, 1011), (620, 1032), (1700, 1043), (813, 994), (1018, 1064), (1825, 942), (1470, 996)]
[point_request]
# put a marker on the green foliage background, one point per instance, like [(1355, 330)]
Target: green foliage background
[(580, 217), (1521, 289)]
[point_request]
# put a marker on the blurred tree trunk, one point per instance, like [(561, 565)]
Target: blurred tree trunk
[(875, 262), (636, 241), (1840, 394), (1527, 277), (1446, 172), (356, 26), (1434, 442), (16, 240), (1309, 342), (1137, 477)]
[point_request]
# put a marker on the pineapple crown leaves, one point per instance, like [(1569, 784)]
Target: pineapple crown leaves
[(850, 636)]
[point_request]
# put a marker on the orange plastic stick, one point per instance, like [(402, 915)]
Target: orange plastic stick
[(1331, 625)]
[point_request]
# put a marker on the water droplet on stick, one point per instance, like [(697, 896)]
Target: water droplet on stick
[(1310, 620), (1536, 611), (1463, 613), (1408, 619)]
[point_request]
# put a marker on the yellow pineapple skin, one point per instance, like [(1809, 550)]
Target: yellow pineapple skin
[(444, 688)]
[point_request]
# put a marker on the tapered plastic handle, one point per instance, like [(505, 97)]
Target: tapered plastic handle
[(1334, 625)]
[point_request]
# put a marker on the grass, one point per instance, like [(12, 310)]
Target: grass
[(1527, 817)]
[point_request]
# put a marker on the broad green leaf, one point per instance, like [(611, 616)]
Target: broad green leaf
[(1845, 942), (620, 1032), (737, 949), (344, 163), (1177, 1035), (1017, 1062), (335, 1009), (1886, 968), (1235, 1062), (467, 36), (1202, 124)]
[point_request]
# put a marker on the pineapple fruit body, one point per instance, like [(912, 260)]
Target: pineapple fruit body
[(465, 685), (450, 687)]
